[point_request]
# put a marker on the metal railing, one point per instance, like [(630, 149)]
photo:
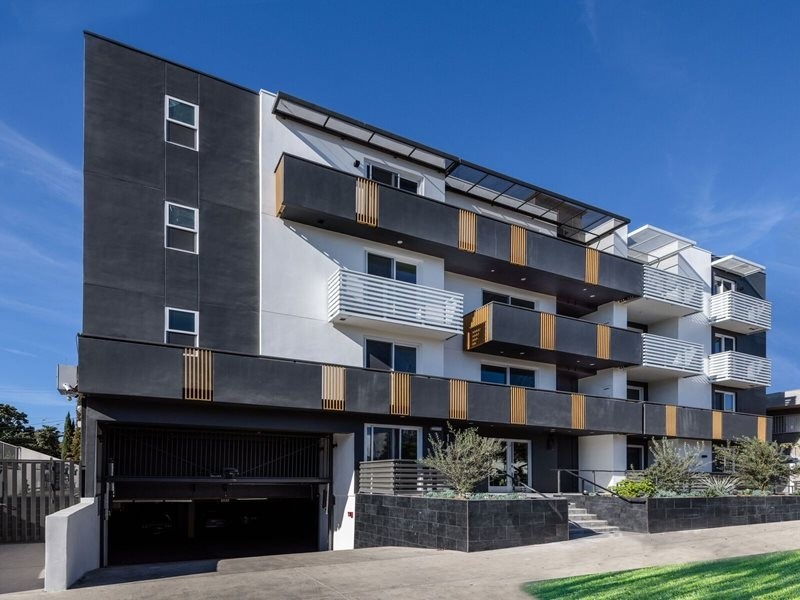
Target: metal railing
[(735, 306), (737, 367), (381, 298), (593, 482), (398, 477), (672, 288), (670, 353)]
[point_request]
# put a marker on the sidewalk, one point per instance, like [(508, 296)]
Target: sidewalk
[(411, 573)]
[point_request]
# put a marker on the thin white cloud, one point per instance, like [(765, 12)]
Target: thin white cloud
[(40, 312), (17, 352), (19, 251), (589, 18), (21, 155), (23, 397)]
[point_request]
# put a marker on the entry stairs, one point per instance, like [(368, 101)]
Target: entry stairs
[(582, 523)]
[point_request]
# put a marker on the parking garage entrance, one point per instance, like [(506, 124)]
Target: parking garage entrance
[(187, 494)]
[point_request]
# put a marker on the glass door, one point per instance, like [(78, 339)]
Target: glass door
[(511, 467)]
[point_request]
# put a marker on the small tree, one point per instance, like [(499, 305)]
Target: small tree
[(66, 440), (46, 441), (465, 460), (75, 445), (673, 466), (14, 427), (758, 464)]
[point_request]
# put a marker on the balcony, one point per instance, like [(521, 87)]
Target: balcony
[(739, 312), (664, 296), (471, 244), (666, 358), (380, 303), (739, 370), (525, 334), (698, 423)]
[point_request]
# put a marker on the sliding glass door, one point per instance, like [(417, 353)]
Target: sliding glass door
[(512, 467)]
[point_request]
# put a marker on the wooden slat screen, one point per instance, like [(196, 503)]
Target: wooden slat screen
[(467, 230), (603, 342), (279, 189), (671, 421), (518, 406), (477, 328), (716, 425), (592, 274), (762, 429), (518, 251), (400, 403), (366, 202), (332, 387), (547, 331), (198, 377), (578, 411), (458, 399)]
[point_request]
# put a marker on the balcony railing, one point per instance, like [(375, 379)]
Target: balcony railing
[(380, 299), (398, 477), (672, 288), (669, 353), (740, 312), (736, 369)]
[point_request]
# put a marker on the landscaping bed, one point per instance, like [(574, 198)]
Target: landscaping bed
[(457, 524)]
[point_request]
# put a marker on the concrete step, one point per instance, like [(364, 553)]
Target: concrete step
[(590, 523), (577, 511)]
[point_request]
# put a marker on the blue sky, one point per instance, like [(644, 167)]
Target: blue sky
[(681, 114)]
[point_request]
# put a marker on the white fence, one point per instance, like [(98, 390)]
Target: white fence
[(676, 289), (735, 306), (737, 368), (670, 353)]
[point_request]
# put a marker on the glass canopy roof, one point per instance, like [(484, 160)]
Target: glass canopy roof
[(740, 266), (649, 244), (575, 220)]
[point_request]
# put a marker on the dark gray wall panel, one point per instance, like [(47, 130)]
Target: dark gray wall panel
[(494, 238), (555, 255), (655, 420), (607, 414), (488, 403), (251, 380), (367, 391), (515, 325), (304, 181), (626, 346), (123, 114), (181, 272), (224, 328), (694, 423), (430, 397), (122, 313), (753, 401), (576, 337), (618, 273), (109, 367), (182, 175), (549, 409), (734, 425), (182, 83), (436, 223)]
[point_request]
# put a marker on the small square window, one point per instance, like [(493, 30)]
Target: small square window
[(180, 327), (181, 120), (180, 227)]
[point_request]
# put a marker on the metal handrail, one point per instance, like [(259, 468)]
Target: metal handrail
[(580, 477), (515, 478)]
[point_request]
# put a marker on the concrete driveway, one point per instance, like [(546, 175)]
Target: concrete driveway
[(411, 573), (20, 567)]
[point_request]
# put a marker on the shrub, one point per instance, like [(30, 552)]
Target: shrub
[(758, 464), (465, 460), (634, 489), (673, 466), (719, 486)]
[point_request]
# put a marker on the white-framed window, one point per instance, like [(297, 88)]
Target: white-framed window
[(724, 401), (180, 227), (636, 392), (511, 466), (508, 375), (723, 343), (392, 442), (388, 356), (490, 296), (392, 178), (391, 268), (723, 285), (181, 326), (181, 122)]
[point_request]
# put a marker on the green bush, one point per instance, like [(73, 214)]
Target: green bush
[(714, 487), (673, 466), (758, 464), (634, 489)]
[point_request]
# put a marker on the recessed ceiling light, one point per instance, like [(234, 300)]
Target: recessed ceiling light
[(522, 278), (591, 295), (492, 271), (400, 242)]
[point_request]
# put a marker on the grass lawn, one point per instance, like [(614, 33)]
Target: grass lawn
[(768, 576)]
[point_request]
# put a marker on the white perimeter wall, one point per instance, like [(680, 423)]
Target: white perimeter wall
[(72, 544)]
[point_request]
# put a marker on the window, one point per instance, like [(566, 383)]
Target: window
[(635, 457), (511, 467), (386, 266), (391, 178), (390, 357), (723, 285), (508, 376), (723, 343), (724, 401), (391, 442), (180, 327), (180, 227), (181, 121), (505, 299), (636, 392)]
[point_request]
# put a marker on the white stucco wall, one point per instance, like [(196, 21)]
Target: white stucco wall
[(344, 491), (602, 458), (72, 544)]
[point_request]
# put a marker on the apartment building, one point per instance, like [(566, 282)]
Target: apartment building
[(275, 292)]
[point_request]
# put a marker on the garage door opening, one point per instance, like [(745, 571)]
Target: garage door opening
[(145, 532)]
